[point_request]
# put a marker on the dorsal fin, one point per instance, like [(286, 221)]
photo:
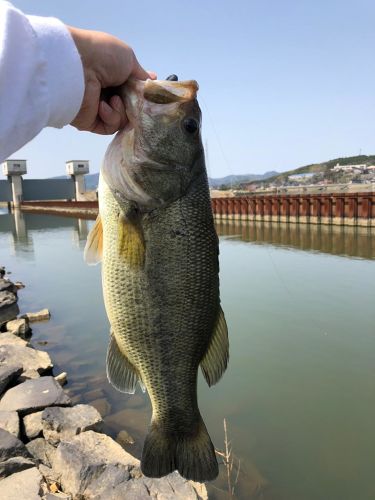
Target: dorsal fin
[(215, 361), (94, 246)]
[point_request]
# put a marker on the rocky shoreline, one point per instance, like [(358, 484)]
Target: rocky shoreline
[(50, 448)]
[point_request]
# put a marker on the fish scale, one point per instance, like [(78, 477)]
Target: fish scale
[(160, 273)]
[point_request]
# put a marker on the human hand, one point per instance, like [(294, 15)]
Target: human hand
[(107, 63)]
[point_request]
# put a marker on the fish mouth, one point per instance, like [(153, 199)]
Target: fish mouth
[(156, 96)]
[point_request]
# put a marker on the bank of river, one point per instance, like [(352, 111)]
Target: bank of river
[(298, 393)]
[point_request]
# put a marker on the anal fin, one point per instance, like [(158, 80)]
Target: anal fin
[(120, 371), (215, 361)]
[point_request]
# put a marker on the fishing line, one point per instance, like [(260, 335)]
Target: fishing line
[(217, 137), (296, 312)]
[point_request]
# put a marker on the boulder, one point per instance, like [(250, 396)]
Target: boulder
[(124, 438), (41, 451), (41, 315), (25, 485), (33, 424), (29, 358), (59, 495), (88, 456), (10, 446), (9, 371), (34, 395), (102, 405), (49, 475), (15, 464), (94, 394), (6, 285), (9, 421), (8, 306), (19, 285), (19, 327), (171, 487), (28, 375), (7, 338), (61, 424)]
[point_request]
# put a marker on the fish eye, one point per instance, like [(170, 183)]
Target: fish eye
[(191, 125)]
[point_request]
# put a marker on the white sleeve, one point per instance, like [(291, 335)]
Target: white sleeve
[(41, 77)]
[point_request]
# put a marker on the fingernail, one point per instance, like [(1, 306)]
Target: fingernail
[(152, 75)]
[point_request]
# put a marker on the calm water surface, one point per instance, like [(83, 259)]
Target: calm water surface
[(299, 392)]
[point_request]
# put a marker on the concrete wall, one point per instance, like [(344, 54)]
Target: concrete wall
[(48, 189), (6, 191)]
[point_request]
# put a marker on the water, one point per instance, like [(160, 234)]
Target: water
[(298, 395)]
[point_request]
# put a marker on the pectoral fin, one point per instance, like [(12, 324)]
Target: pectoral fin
[(120, 371), (94, 245), (131, 242), (214, 362)]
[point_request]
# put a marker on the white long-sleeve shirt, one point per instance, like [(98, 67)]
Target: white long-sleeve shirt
[(41, 77)]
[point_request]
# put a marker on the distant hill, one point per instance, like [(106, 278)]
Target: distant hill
[(323, 167), (92, 180), (233, 180)]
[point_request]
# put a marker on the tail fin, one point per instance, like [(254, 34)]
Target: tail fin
[(192, 455)]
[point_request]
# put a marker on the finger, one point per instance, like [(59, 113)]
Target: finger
[(112, 116), (138, 71), (152, 75), (118, 105)]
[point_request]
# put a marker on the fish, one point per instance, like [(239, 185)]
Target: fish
[(157, 243)]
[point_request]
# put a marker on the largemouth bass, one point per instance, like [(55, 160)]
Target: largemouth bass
[(156, 239)]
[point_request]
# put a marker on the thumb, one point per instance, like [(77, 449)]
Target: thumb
[(138, 71)]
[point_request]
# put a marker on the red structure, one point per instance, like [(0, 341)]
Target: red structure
[(324, 208)]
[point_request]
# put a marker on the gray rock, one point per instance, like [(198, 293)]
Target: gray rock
[(62, 378), (9, 371), (124, 438), (8, 286), (19, 327), (7, 338), (33, 424), (10, 446), (111, 476), (102, 405), (19, 285), (59, 495), (28, 375), (42, 315), (29, 358), (174, 487), (15, 464), (42, 451), (49, 475), (94, 394), (82, 460), (61, 424), (8, 307), (34, 395), (10, 422), (25, 485), (171, 487)]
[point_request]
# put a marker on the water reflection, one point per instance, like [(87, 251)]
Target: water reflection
[(337, 240), (20, 225)]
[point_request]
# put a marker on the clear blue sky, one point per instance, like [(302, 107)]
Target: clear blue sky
[(283, 83)]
